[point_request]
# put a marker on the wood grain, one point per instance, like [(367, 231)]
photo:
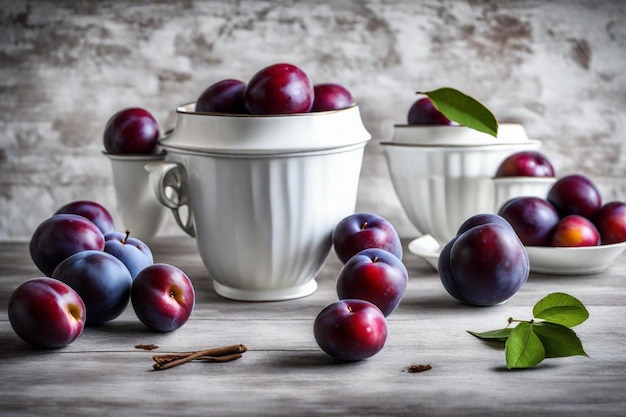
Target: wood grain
[(284, 373)]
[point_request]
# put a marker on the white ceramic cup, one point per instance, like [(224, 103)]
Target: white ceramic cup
[(139, 209), (262, 212)]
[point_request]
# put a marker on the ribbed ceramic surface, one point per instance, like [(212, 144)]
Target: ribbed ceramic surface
[(440, 187), (264, 223)]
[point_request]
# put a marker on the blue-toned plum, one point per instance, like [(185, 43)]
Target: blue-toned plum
[(482, 218), (134, 253), (484, 266), (532, 218), (102, 281)]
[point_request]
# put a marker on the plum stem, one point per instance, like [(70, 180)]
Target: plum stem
[(126, 237), (364, 226), (512, 320), (375, 259)]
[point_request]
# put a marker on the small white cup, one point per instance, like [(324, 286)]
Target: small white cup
[(137, 205), (507, 188)]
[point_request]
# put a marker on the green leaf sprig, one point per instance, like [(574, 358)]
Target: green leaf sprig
[(547, 335), (463, 109)]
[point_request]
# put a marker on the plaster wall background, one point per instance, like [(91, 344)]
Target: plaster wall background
[(557, 67)]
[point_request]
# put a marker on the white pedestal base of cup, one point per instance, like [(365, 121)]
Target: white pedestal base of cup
[(265, 295)]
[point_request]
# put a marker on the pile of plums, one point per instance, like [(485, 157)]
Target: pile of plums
[(571, 214), (92, 272), (277, 89), (485, 264), (370, 286)]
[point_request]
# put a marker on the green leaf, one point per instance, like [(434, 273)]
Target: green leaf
[(561, 308), (558, 340), (499, 335), (463, 109), (523, 349)]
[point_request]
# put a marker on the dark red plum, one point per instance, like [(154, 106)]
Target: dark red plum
[(133, 253), (575, 194), (482, 218), (331, 97), (484, 266), (350, 330), (575, 231), (611, 222), (224, 96), (131, 131), (363, 230), (526, 164), (46, 313), (424, 112), (532, 218), (61, 236), (91, 210), (101, 280), (374, 275), (163, 297), (279, 89)]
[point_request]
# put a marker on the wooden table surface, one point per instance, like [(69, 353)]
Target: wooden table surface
[(284, 373)]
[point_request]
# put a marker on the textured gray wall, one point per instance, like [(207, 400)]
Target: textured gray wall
[(558, 67)]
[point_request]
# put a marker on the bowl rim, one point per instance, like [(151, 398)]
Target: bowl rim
[(498, 146)]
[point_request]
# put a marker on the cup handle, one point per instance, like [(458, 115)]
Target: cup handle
[(168, 180)]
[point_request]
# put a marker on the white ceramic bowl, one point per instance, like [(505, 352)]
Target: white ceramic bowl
[(545, 260), (573, 261), (442, 185), (264, 194), (507, 188)]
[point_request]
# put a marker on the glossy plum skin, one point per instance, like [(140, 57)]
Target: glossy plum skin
[(279, 89), (350, 330), (611, 222), (363, 230), (484, 266), (61, 236), (46, 313), (101, 280), (374, 275), (424, 112), (131, 131), (331, 97), (526, 164), (532, 218), (575, 194), (133, 253), (97, 213), (163, 297), (224, 96), (575, 231), (482, 218)]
